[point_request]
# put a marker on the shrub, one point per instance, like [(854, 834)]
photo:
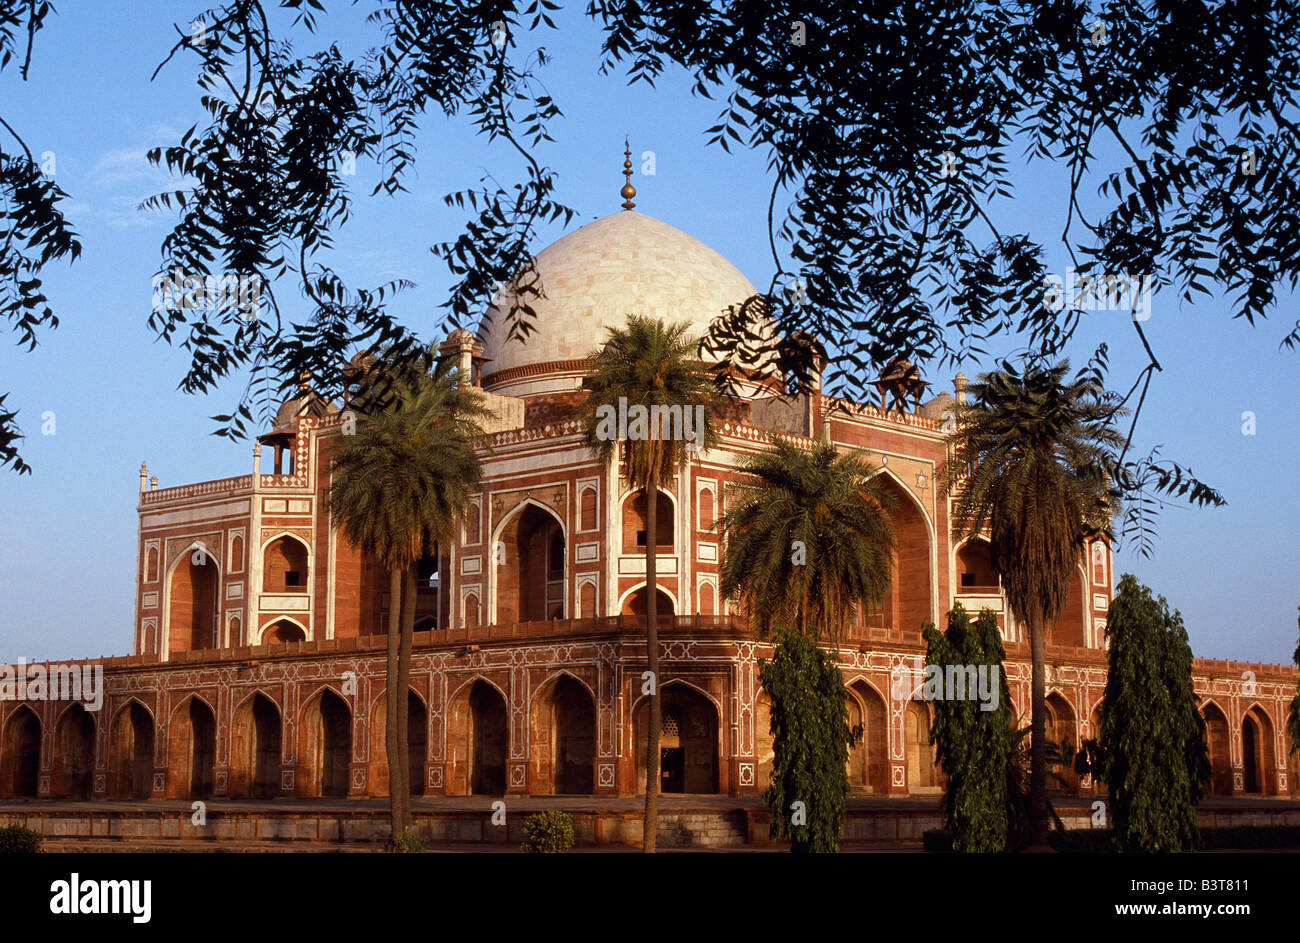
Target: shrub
[(18, 839), (411, 842), (549, 832)]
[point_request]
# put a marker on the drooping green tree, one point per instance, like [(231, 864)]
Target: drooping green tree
[(811, 737), (808, 537), (401, 484), (974, 738), (1033, 466), (1153, 753), (648, 365)]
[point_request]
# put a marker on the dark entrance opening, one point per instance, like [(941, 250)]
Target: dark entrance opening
[(489, 736), (672, 769), (23, 754)]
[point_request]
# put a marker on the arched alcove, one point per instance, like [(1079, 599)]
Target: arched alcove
[(191, 750), (20, 758), (255, 749), (325, 745), (530, 581), (130, 753), (192, 603), (284, 566), (74, 754), (688, 741), (1218, 743), (635, 506), (564, 738)]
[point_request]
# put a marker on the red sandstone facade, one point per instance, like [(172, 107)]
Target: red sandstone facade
[(258, 665)]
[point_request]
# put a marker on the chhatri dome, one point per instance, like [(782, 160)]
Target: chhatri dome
[(591, 280)]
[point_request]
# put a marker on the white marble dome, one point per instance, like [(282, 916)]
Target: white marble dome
[(591, 280)]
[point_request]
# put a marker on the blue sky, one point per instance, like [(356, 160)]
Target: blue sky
[(68, 532)]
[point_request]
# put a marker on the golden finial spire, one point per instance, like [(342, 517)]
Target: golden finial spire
[(628, 190)]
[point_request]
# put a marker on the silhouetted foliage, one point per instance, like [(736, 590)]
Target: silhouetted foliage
[(890, 132)]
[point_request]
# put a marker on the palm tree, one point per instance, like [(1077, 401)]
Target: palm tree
[(400, 486), (808, 538), (648, 364), (1033, 465)]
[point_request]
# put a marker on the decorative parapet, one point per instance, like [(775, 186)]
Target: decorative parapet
[(870, 411), (749, 433), (220, 486), (536, 434)]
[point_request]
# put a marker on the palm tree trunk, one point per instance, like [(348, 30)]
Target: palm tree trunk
[(1038, 736), (390, 703), (651, 824), (404, 687)]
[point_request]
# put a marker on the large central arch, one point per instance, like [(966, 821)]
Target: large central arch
[(910, 598)]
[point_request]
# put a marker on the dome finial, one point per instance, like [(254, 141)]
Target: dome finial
[(628, 190)]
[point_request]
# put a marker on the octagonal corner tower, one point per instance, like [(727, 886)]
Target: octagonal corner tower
[(591, 280)]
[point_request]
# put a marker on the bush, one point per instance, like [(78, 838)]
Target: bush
[(18, 839), (411, 842), (549, 832)]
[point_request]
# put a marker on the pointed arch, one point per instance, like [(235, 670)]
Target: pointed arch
[(477, 738), (131, 751), (869, 756), (920, 750), (531, 585), (633, 511), (417, 742), (562, 717), (20, 756), (255, 747), (286, 563), (1218, 741), (1257, 751), (627, 604), (324, 743), (191, 601), (191, 748), (912, 596), (74, 753), (279, 630), (690, 740)]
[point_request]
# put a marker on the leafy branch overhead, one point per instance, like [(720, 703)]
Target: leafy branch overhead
[(892, 134), (33, 230)]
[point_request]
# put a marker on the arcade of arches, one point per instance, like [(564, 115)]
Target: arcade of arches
[(513, 729)]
